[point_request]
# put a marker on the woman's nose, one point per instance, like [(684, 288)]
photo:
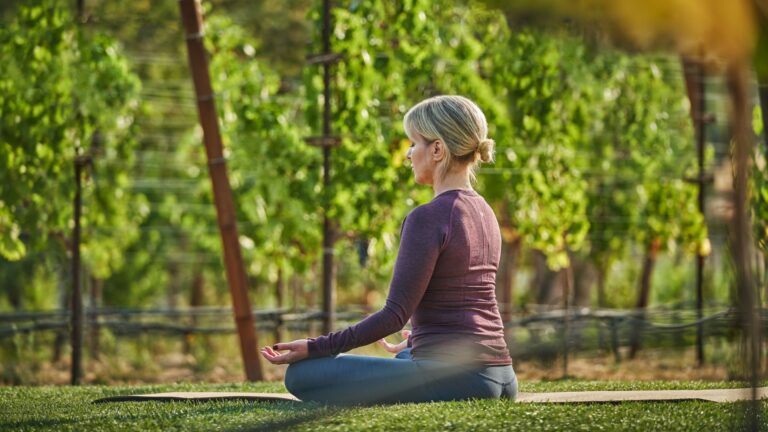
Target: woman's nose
[(408, 154)]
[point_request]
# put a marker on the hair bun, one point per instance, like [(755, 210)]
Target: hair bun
[(485, 148)]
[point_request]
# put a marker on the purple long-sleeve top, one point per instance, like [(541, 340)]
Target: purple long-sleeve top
[(444, 282)]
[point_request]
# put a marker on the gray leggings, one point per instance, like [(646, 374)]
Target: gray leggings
[(353, 379)]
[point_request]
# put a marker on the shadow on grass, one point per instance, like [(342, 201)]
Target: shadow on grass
[(312, 412), (34, 423)]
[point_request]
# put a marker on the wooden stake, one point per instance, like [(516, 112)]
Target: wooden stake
[(693, 72), (741, 230), (222, 194), (76, 306), (567, 288), (329, 268)]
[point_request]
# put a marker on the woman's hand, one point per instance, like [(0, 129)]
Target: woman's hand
[(394, 349), (297, 350)]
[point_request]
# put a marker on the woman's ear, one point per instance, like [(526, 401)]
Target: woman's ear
[(437, 150)]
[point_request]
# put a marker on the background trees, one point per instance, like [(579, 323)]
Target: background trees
[(593, 146), (64, 93)]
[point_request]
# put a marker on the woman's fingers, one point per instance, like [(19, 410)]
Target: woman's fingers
[(386, 345), (267, 355), (268, 352), (297, 350), (272, 356)]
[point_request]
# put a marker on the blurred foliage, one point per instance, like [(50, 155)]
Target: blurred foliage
[(760, 187), (592, 144), (275, 175), (642, 149), (725, 29), (540, 78), (66, 93)]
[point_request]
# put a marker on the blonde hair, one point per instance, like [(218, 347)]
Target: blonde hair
[(459, 124)]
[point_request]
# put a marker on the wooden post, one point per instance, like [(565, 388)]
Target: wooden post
[(222, 194), (693, 72), (327, 141), (700, 142), (615, 343), (329, 276), (567, 288), (94, 330), (643, 295), (76, 298), (279, 303), (76, 305), (741, 230)]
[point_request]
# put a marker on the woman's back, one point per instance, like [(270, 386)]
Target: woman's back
[(458, 313)]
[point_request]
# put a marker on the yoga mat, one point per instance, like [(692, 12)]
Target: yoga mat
[(201, 397), (718, 395)]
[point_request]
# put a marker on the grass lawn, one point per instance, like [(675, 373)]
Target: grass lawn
[(70, 409)]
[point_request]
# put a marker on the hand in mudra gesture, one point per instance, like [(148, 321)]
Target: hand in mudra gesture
[(394, 349), (297, 350)]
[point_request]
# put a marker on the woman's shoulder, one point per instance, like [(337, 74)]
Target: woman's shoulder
[(439, 211), (433, 214), (434, 210), (421, 216)]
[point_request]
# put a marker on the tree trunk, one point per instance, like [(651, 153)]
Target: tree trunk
[(602, 273), (644, 294), (510, 252), (569, 338), (171, 295), (195, 300), (295, 291), (310, 297), (198, 286), (583, 277), (64, 300), (279, 295), (96, 296), (544, 281), (14, 289)]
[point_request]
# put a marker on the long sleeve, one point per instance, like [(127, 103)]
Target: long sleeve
[(421, 241)]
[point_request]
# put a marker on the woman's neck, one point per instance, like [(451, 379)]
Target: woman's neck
[(452, 180)]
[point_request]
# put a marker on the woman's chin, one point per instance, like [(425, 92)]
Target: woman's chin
[(421, 179)]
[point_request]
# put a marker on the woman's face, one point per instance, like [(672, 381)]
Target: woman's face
[(421, 159)]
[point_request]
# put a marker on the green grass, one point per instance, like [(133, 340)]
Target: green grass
[(70, 409)]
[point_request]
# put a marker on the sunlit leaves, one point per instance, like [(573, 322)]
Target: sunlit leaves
[(63, 89), (760, 189), (641, 152)]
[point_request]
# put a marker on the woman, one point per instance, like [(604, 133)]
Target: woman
[(443, 281)]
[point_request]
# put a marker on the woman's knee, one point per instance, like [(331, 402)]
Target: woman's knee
[(510, 389), (293, 377)]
